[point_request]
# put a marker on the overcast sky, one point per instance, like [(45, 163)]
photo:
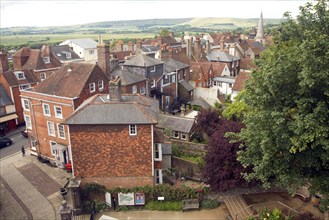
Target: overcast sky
[(58, 13)]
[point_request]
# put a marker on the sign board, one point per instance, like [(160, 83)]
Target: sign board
[(126, 198), (139, 198), (108, 199), (160, 198)]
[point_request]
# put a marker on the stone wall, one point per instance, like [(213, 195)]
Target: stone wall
[(185, 168), (189, 148)]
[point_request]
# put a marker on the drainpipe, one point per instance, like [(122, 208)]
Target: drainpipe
[(35, 126)]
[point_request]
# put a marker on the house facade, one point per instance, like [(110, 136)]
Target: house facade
[(52, 101), (8, 116), (85, 48), (112, 140)]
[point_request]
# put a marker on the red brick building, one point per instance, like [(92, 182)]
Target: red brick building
[(52, 101), (112, 140)]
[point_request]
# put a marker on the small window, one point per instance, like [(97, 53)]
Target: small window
[(42, 76), (176, 134), (19, 75), (214, 83), (51, 128), (173, 78), (158, 176), (134, 89), (167, 100), (153, 83), (92, 87), (61, 131), (158, 152), (26, 105), (24, 87), (184, 72), (46, 109), (52, 148), (152, 68), (230, 85), (28, 122), (178, 75), (100, 85), (46, 60), (183, 136), (68, 55), (132, 129), (142, 90), (199, 75), (91, 52), (58, 112)]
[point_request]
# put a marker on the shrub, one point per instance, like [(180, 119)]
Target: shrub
[(209, 204), (164, 206)]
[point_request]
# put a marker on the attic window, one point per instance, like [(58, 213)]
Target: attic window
[(59, 55), (68, 55), (19, 75), (46, 60), (152, 68)]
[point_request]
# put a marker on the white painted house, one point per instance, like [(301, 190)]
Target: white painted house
[(86, 48)]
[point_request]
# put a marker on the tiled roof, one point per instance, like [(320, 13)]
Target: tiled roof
[(186, 85), (62, 53), (142, 60), (175, 63), (221, 57), (12, 80), (133, 109), (168, 40), (4, 97), (180, 55), (85, 43), (175, 123), (247, 64), (240, 81), (127, 78), (68, 81), (120, 55), (196, 69)]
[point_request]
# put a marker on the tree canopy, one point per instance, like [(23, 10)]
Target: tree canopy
[(287, 123)]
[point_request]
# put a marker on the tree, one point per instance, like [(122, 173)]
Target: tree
[(164, 32), (221, 169), (237, 109), (287, 129), (207, 122)]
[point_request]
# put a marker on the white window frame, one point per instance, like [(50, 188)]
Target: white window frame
[(60, 116), (132, 130), (51, 125), (28, 122), (173, 78), (24, 87), (134, 89), (152, 69), (142, 90), (44, 109), (157, 149), (167, 100), (153, 83), (46, 60), (68, 55), (53, 150), (176, 134), (19, 75), (100, 85), (158, 176), (59, 131), (43, 76), (26, 106), (92, 87), (183, 134)]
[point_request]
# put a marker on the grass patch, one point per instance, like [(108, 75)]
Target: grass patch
[(164, 206)]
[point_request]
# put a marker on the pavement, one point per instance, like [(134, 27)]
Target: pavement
[(29, 189)]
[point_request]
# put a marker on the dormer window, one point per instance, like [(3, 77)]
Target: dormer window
[(46, 60), (152, 68), (68, 55), (19, 75)]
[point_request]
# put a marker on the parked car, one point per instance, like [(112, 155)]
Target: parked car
[(4, 142), (24, 133)]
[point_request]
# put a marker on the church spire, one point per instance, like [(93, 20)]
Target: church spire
[(260, 30)]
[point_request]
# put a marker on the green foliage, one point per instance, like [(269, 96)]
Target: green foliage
[(274, 214), (164, 206), (164, 32), (209, 204), (237, 109), (287, 129), (196, 108)]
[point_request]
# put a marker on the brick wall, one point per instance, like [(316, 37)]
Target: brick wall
[(123, 182), (108, 152)]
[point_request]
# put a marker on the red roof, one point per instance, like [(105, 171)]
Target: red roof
[(240, 81)]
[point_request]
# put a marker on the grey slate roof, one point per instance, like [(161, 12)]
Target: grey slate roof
[(224, 79), (133, 109), (221, 57), (85, 43), (186, 85), (175, 123), (142, 60), (4, 98), (166, 148), (126, 77), (175, 64), (60, 53), (150, 48), (201, 102)]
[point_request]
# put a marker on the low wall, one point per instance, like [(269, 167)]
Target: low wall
[(190, 148), (186, 168)]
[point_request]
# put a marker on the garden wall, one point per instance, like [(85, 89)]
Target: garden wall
[(186, 168), (190, 148)]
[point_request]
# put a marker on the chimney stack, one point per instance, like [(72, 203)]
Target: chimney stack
[(197, 48), (4, 63), (139, 43), (103, 53), (119, 46), (232, 50), (131, 46), (208, 50), (189, 47), (115, 89)]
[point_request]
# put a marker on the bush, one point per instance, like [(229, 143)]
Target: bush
[(209, 204), (164, 206)]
